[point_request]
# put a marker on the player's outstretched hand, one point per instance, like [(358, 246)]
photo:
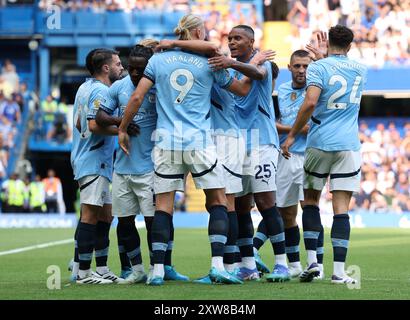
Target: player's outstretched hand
[(286, 146), (318, 50), (133, 129), (124, 141), (220, 62), (263, 56)]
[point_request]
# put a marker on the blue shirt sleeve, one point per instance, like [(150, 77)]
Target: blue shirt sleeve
[(99, 98), (223, 78), (149, 71), (314, 76), (112, 102)]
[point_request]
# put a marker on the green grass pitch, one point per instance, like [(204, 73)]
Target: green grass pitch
[(383, 256)]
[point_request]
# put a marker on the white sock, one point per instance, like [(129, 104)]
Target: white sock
[(229, 267), (281, 259), (158, 270), (255, 251), (339, 269), (76, 267), (138, 268), (311, 257), (237, 265), (249, 262), (295, 265), (84, 273), (320, 267), (218, 263), (102, 270)]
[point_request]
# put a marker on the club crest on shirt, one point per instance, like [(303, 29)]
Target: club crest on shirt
[(151, 98), (293, 96)]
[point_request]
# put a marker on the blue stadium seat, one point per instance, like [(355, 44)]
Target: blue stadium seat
[(149, 22), (119, 23), (171, 20), (17, 20), (90, 22)]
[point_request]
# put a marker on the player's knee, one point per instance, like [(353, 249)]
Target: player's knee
[(89, 218), (289, 220), (264, 203), (124, 221), (216, 198)]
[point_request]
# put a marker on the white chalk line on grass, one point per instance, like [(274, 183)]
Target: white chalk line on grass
[(37, 246)]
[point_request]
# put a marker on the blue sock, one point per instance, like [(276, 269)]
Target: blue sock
[(260, 236), (168, 253), (148, 226), (86, 242), (218, 229), (275, 229), (76, 243), (245, 234), (340, 234), (292, 239), (102, 243), (131, 239), (320, 249), (311, 226), (230, 246), (161, 229), (125, 262), (238, 257)]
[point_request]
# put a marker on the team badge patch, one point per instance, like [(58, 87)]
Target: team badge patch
[(293, 96), (97, 103)]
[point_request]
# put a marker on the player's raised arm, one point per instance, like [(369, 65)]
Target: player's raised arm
[(304, 114), (255, 72), (202, 47), (251, 70), (131, 110)]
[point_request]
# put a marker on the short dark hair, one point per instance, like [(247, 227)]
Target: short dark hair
[(275, 70), (300, 54), (246, 28), (102, 57), (340, 36), (89, 61), (141, 51)]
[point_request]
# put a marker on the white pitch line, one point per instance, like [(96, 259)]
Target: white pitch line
[(37, 246)]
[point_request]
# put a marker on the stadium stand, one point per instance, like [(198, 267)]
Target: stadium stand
[(381, 29)]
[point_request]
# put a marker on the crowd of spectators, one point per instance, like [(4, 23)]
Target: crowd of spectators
[(219, 15), (51, 121), (12, 96), (381, 27), (27, 195), (385, 185), (101, 6)]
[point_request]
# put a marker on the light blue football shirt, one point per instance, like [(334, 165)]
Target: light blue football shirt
[(290, 100), (255, 112), (139, 161), (223, 119), (91, 153), (183, 99), (335, 118)]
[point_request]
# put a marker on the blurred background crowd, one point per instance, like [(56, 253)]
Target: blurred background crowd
[(382, 37), (381, 27)]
